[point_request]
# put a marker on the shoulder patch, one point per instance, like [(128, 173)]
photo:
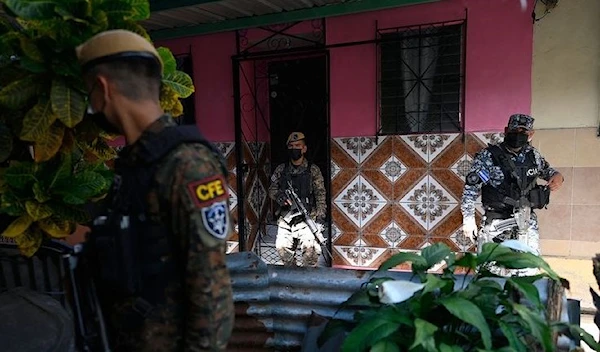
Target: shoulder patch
[(216, 219), (208, 190)]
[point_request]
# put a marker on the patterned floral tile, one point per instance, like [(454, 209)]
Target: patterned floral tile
[(379, 223), (346, 239), (449, 155), (449, 225), (473, 144), (341, 157), (407, 222), (463, 243), (462, 166), (335, 232), (428, 202), (335, 170), (490, 137), (429, 146), (379, 155), (413, 242), (393, 169), (449, 181), (407, 182), (407, 155), (232, 199), (393, 235), (358, 148), (359, 254), (360, 201), (232, 247), (341, 221), (377, 180)]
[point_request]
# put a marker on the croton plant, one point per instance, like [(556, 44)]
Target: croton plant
[(53, 161)]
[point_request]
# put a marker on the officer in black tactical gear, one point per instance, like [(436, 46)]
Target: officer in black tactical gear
[(308, 183), (507, 174)]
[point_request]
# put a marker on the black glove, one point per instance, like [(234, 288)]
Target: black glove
[(281, 198)]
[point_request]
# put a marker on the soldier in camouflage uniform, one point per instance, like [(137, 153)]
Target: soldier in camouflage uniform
[(504, 174), (168, 211), (308, 183)]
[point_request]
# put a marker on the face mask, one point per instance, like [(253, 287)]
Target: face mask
[(99, 118), (516, 139), (295, 154)]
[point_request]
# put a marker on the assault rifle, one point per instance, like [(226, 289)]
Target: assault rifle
[(314, 228)]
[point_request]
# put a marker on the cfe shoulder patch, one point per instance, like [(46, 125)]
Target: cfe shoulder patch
[(216, 219), (209, 190)]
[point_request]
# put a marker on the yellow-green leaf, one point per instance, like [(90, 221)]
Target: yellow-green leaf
[(57, 228), (68, 105), (31, 9), (30, 49), (29, 242), (16, 94), (19, 175), (50, 143), (40, 194), (180, 82), (168, 60), (141, 9), (37, 121), (38, 211), (18, 226), (6, 141)]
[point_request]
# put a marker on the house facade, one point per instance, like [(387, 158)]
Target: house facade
[(395, 103)]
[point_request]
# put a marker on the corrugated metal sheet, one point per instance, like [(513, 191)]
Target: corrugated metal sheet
[(274, 303), (227, 10)]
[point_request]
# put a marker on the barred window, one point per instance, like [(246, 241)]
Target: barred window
[(421, 79)]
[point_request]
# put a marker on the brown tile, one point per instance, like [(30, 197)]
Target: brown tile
[(347, 239), (555, 222), (555, 247), (446, 241), (407, 181), (379, 181), (473, 145), (584, 249), (374, 240), (586, 223), (379, 156), (341, 158), (413, 242), (587, 145), (379, 222), (343, 178), (341, 221), (406, 222), (406, 155), (450, 155), (586, 186), (447, 227), (450, 181)]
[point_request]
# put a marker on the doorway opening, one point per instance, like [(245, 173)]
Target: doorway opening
[(277, 95)]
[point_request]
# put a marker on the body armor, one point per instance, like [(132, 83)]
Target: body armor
[(127, 249), (302, 183)]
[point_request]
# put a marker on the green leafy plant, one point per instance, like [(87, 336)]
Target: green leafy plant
[(52, 159), (442, 313)]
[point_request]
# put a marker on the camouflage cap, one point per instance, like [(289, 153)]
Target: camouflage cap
[(114, 44), (295, 136), (520, 120)]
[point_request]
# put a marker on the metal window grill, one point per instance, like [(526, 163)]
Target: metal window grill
[(421, 78)]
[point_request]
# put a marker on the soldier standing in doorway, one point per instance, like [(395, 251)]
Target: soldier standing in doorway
[(158, 252), (308, 183), (506, 175)]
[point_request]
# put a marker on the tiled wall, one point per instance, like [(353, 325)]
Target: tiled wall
[(402, 193), (570, 227)]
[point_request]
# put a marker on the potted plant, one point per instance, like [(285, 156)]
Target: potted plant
[(52, 159), (445, 312)]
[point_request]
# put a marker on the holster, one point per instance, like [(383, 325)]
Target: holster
[(115, 248), (539, 197)]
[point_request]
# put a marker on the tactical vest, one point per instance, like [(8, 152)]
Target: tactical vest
[(302, 183), (128, 248), (517, 182)]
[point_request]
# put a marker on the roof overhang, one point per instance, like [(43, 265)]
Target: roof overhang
[(182, 18)]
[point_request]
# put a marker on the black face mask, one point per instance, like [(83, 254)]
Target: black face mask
[(99, 118), (515, 139), (295, 154)]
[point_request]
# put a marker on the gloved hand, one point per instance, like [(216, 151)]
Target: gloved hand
[(470, 228), (282, 199)]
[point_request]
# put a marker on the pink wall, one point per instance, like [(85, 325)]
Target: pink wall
[(213, 81), (498, 62), (498, 66)]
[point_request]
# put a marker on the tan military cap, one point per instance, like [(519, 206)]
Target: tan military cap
[(295, 136), (112, 44)]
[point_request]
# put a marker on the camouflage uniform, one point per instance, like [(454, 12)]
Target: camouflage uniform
[(491, 173), (289, 236), (184, 202)]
